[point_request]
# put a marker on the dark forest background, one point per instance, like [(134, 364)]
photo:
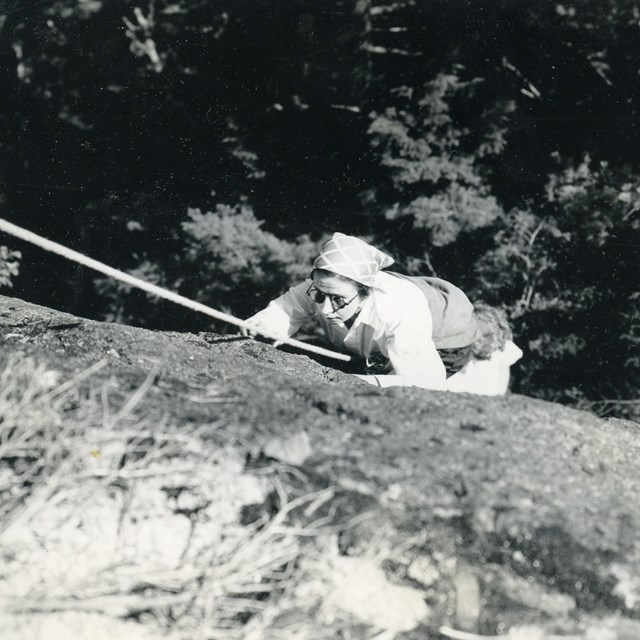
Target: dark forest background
[(210, 146)]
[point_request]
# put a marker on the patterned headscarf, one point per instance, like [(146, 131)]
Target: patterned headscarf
[(352, 258)]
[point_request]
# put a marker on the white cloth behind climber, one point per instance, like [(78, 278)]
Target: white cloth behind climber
[(486, 377)]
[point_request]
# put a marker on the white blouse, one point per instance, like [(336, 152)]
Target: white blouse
[(394, 321)]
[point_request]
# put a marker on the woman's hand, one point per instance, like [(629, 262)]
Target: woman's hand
[(248, 329), (251, 329)]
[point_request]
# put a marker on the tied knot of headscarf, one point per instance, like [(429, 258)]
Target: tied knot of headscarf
[(352, 258)]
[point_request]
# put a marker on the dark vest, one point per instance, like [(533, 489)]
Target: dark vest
[(454, 324)]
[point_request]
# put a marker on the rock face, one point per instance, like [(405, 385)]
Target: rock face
[(349, 511)]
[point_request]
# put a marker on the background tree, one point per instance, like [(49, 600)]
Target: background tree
[(210, 146)]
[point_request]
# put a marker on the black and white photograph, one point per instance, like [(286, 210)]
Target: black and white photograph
[(320, 320)]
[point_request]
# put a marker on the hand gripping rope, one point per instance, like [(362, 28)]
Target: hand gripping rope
[(70, 254)]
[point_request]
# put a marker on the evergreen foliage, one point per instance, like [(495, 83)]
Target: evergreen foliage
[(237, 265), (9, 266), (493, 143)]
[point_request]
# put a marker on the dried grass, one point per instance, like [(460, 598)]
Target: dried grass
[(31, 435), (83, 484)]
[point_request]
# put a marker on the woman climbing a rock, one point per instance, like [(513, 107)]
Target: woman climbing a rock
[(409, 331)]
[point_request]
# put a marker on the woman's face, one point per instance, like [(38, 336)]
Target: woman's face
[(337, 292)]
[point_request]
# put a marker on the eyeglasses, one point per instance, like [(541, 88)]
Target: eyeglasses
[(337, 302)]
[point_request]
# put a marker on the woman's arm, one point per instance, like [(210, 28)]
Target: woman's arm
[(284, 315), (413, 355), (433, 376)]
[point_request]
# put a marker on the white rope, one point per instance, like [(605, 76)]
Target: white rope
[(70, 254)]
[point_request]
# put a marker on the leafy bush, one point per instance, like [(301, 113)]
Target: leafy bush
[(436, 185), (9, 265), (235, 264), (568, 276), (222, 258)]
